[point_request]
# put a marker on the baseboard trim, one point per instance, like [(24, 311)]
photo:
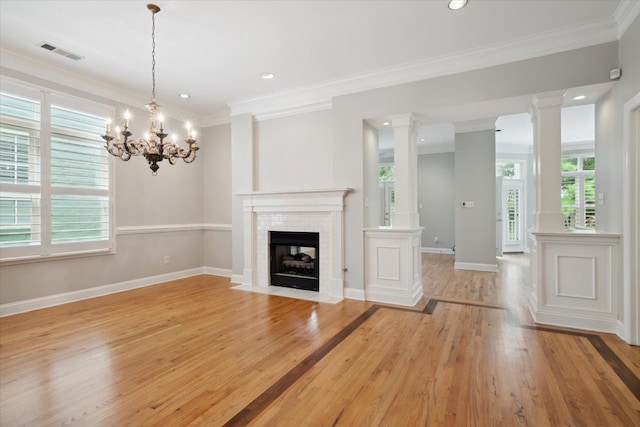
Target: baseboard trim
[(386, 297), (437, 250), (237, 279), (215, 271), (98, 291), (357, 294), (475, 266), (565, 320)]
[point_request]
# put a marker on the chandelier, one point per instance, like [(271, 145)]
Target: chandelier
[(154, 146)]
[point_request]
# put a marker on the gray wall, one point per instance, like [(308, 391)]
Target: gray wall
[(609, 134), (216, 200), (173, 197), (475, 180), (609, 131), (432, 97), (436, 173), (373, 203), (176, 195)]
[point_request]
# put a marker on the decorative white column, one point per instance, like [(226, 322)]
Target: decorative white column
[(547, 152), (243, 179), (574, 275), (393, 268), (406, 172)]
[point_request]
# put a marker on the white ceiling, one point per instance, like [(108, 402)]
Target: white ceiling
[(216, 50)]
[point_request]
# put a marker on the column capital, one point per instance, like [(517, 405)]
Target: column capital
[(475, 125), (548, 99)]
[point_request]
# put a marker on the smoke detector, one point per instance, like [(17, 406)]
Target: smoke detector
[(60, 51)]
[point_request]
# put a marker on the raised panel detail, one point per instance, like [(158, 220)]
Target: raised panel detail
[(388, 263), (576, 276)]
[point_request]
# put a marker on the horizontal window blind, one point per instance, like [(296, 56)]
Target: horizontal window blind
[(55, 174)]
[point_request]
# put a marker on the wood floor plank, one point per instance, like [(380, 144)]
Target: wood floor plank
[(195, 352)]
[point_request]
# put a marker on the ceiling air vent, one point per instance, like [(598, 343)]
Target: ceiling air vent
[(62, 52)]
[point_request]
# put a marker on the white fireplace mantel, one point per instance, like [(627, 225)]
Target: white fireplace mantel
[(319, 211)]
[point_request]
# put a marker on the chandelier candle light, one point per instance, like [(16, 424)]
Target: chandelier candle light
[(153, 146)]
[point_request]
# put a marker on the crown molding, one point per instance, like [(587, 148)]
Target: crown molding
[(310, 108), (14, 64), (624, 15), (588, 34)]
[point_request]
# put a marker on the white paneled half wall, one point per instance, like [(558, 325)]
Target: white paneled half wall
[(575, 280)]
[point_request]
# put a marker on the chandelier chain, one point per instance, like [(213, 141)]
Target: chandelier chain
[(153, 55)]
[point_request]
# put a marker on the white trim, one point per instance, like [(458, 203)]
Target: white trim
[(301, 109), (392, 297), (475, 125), (215, 271), (630, 331), (624, 15), (67, 297), (570, 320), (170, 228), (588, 34), (237, 278), (216, 227), (289, 293), (12, 61), (475, 266), (356, 294), (436, 250)]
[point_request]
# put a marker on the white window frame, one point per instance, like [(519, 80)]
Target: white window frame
[(45, 249), (579, 175)]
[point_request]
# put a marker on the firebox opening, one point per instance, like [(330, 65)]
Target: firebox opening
[(295, 261)]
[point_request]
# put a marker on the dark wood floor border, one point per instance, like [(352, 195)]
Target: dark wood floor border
[(261, 402), (623, 372), (618, 366)]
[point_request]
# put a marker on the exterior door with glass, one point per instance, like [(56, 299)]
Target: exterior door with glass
[(512, 223)]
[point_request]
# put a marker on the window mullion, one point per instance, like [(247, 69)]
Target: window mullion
[(45, 170)]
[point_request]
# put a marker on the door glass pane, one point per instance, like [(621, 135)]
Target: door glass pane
[(569, 201), (513, 215), (590, 201)]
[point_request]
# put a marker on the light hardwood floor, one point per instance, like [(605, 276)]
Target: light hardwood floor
[(195, 352)]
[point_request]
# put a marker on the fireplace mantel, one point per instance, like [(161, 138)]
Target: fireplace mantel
[(317, 210), (318, 200)]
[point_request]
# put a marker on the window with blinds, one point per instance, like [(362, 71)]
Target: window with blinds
[(55, 175)]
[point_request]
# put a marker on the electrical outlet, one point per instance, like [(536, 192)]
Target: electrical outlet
[(166, 259), (467, 204)]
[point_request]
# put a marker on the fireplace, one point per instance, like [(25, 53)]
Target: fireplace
[(295, 260), (319, 212)]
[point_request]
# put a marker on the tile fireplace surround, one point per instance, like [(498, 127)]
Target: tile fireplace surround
[(316, 211)]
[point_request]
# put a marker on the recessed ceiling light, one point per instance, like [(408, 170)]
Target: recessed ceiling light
[(422, 140), (386, 124), (579, 97), (267, 75), (184, 96), (457, 4)]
